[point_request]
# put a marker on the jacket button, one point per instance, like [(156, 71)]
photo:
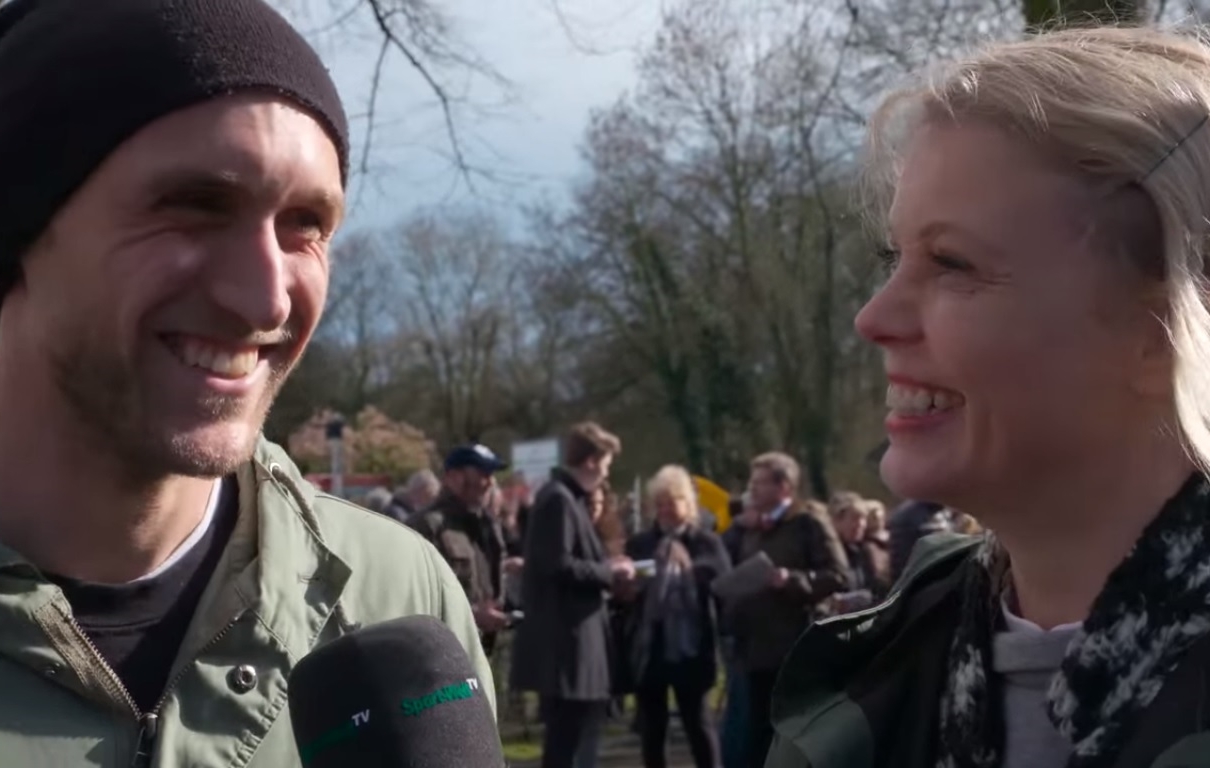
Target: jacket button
[(243, 678)]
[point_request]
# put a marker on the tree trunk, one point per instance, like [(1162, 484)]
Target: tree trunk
[(817, 470), (1044, 13), (682, 409)]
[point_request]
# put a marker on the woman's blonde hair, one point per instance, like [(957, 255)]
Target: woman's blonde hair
[(1127, 108), (875, 508), (674, 481), (842, 501)]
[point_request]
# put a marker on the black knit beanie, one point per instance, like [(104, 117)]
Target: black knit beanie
[(79, 77)]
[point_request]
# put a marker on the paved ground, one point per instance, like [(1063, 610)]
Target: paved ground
[(622, 751)]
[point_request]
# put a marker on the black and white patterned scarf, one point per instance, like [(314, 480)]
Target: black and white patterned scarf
[(1154, 606)]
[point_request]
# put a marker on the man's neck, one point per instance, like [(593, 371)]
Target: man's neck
[(774, 506), (587, 482), (69, 509), (1064, 540)]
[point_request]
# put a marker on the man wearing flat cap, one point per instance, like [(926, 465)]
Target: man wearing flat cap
[(171, 176), (468, 535)]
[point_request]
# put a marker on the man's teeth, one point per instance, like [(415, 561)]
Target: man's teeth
[(222, 362), (915, 401)]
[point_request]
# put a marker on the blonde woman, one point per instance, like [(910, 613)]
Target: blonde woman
[(673, 642), (1046, 336), (869, 565), (876, 529)]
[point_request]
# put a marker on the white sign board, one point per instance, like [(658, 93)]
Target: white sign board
[(534, 459)]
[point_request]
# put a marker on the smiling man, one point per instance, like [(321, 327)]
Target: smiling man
[(171, 176)]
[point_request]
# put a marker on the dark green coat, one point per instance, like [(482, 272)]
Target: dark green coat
[(863, 690)]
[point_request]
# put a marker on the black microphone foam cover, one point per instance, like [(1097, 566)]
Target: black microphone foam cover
[(400, 693)]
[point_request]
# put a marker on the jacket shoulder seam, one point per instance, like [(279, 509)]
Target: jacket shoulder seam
[(369, 513)]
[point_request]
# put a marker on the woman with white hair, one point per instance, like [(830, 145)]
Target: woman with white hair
[(674, 639), (1046, 335)]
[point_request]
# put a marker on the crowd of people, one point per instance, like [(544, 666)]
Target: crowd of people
[(602, 604)]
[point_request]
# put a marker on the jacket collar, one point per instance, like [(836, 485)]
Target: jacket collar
[(564, 476), (277, 562), (448, 503), (10, 560), (811, 707), (289, 574)]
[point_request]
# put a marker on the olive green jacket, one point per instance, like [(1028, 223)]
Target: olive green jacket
[(301, 568)]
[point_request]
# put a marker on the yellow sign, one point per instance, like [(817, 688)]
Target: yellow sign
[(712, 497)]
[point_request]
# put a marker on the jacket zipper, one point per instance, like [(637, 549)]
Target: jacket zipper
[(149, 722), (113, 676)]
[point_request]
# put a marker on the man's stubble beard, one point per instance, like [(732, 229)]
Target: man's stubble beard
[(107, 396)]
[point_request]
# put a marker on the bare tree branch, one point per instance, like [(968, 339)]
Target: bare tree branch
[(420, 33), (573, 37), (376, 81), (382, 17)]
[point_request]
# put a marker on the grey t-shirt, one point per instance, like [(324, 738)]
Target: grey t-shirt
[(1027, 658)]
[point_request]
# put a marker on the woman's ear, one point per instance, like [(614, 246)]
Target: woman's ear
[(1137, 302), (1152, 355)]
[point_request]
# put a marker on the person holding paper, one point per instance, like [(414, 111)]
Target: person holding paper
[(562, 649), (673, 638), (808, 566)]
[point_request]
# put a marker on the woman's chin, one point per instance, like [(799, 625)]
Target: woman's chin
[(912, 476)]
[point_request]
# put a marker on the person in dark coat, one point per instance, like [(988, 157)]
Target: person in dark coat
[(809, 567), (673, 639), (468, 536), (733, 730), (562, 648), (379, 500), (910, 522), (417, 494)]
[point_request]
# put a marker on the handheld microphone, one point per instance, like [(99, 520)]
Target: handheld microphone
[(401, 693)]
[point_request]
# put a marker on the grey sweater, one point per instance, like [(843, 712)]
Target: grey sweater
[(1027, 658)]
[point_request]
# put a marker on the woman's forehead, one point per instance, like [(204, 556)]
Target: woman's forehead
[(975, 180)]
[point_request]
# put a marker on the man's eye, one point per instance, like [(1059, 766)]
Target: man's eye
[(305, 221)]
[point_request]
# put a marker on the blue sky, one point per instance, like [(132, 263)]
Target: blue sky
[(561, 60)]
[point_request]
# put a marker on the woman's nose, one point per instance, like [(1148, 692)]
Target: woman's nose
[(891, 315)]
